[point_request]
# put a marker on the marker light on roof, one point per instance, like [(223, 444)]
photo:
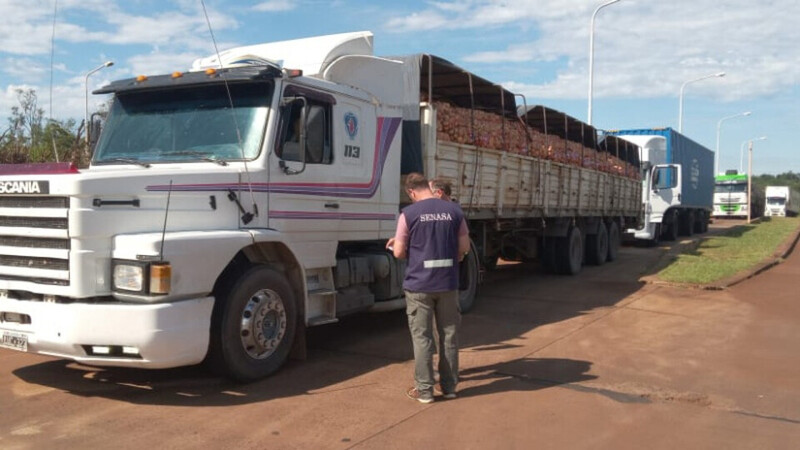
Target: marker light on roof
[(177, 74), (294, 73), (141, 78), (211, 71)]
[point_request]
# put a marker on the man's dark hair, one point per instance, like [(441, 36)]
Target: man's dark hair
[(443, 185), (416, 181)]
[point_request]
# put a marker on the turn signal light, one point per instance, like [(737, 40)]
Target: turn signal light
[(160, 278)]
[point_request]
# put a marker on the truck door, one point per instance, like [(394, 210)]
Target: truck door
[(303, 200), (665, 187), (331, 188)]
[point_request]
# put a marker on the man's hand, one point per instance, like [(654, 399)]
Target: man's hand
[(390, 244)]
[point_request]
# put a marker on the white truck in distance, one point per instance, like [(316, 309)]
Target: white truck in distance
[(781, 201), (228, 208)]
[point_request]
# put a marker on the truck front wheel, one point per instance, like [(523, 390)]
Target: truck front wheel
[(253, 325), (670, 228)]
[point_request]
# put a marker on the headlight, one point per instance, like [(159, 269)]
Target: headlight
[(128, 276), (142, 277)]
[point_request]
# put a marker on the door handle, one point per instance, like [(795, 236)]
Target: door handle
[(332, 205)]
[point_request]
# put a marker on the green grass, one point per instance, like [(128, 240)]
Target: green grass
[(725, 255)]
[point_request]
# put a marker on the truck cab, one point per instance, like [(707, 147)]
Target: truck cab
[(225, 209)]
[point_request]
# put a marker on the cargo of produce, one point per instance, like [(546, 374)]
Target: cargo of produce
[(490, 130)]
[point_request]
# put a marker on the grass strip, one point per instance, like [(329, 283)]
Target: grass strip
[(727, 254)]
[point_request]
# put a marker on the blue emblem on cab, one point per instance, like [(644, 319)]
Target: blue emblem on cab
[(351, 125)]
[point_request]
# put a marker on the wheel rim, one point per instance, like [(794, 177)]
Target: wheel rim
[(263, 324)]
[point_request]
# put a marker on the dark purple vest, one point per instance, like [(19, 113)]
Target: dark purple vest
[(433, 226)]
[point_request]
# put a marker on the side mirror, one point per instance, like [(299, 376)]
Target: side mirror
[(293, 134)]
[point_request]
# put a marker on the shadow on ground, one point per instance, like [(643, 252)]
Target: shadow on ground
[(514, 300)]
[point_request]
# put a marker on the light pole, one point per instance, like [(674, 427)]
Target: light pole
[(591, 55), (680, 99), (741, 150), (719, 125), (86, 95)]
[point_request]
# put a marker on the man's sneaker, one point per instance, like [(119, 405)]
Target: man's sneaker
[(414, 394), (448, 395)]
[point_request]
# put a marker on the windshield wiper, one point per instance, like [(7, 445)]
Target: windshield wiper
[(199, 155), (126, 161)]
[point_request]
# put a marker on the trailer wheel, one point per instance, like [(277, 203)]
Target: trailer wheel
[(468, 284), (597, 246), (614, 241), (253, 325), (569, 252)]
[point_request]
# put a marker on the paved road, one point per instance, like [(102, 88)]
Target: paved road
[(594, 361)]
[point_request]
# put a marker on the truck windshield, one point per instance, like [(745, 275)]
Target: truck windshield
[(776, 201), (194, 123), (730, 188)]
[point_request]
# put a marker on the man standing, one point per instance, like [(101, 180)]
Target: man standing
[(432, 234)]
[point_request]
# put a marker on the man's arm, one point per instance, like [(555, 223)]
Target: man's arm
[(399, 243)]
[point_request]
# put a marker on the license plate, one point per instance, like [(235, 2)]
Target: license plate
[(14, 341)]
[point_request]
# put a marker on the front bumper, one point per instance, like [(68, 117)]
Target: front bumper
[(165, 334)]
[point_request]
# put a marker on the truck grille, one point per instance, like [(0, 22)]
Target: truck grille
[(34, 239)]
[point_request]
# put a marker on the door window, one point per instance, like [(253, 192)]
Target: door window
[(309, 119)]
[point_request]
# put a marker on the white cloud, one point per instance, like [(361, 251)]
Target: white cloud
[(27, 29), (418, 21), (275, 6), (642, 49), (159, 62), (467, 14)]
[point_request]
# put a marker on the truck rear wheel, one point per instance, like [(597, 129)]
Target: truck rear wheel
[(569, 252), (701, 221), (468, 284), (687, 224), (253, 325), (597, 246)]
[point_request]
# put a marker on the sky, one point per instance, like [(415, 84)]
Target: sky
[(645, 51)]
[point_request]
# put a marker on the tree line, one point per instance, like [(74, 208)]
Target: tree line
[(32, 138), (789, 178)]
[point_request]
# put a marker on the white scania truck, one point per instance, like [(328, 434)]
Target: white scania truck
[(229, 207)]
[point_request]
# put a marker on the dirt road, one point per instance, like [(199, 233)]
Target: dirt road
[(594, 361)]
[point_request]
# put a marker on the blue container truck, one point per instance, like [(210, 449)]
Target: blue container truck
[(677, 183)]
